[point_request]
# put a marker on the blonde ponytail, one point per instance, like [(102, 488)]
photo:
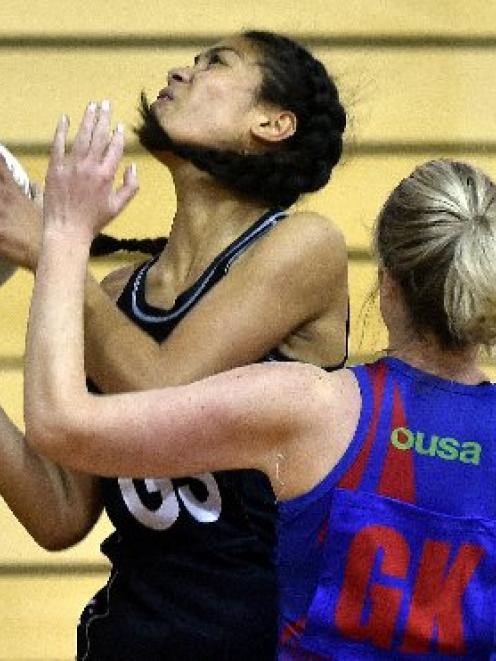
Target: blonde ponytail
[(436, 234)]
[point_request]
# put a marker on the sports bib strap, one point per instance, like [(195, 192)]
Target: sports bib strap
[(380, 466)]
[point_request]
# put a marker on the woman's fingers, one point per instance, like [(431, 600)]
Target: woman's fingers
[(114, 151), (92, 140), (84, 135), (100, 136), (79, 185), (127, 191), (57, 151)]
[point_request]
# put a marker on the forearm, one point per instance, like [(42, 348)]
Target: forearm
[(56, 506), (20, 233), (54, 375)]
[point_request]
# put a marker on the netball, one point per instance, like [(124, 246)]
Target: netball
[(7, 269)]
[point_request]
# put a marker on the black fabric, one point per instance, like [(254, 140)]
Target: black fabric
[(193, 590), (199, 591)]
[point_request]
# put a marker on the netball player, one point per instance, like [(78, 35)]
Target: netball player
[(385, 472), (249, 126)]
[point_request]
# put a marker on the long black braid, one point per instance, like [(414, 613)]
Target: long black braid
[(104, 244), (295, 80)]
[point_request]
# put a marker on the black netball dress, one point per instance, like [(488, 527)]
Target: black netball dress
[(192, 570), (192, 558)]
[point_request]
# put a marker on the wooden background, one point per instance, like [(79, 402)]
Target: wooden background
[(418, 80)]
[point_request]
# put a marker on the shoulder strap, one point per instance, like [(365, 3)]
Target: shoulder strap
[(380, 467)]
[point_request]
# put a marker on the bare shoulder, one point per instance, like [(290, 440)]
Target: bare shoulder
[(114, 282), (334, 400), (311, 386), (329, 426), (318, 413), (329, 401), (304, 239), (336, 388), (342, 386), (322, 226), (323, 237)]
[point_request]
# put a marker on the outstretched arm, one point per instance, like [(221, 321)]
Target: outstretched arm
[(56, 505), (268, 417), (253, 416)]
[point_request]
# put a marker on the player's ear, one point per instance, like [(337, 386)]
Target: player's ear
[(273, 125)]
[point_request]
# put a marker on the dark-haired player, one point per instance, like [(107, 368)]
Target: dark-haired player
[(245, 129)]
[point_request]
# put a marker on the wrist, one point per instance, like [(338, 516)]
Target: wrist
[(66, 244), (71, 235)]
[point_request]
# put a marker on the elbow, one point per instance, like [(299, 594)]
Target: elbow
[(69, 524), (58, 541), (50, 432), (59, 525), (60, 537)]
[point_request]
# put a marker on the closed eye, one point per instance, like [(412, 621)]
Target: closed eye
[(209, 58), (214, 58)]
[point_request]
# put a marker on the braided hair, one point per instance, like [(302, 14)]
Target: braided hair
[(104, 244), (294, 80)]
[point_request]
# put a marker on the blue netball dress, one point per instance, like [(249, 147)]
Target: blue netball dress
[(192, 558), (393, 554)]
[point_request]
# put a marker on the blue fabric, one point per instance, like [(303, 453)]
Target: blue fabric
[(393, 554)]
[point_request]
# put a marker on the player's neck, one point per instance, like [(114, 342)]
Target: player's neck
[(208, 211), (425, 353), (209, 217), (422, 348)]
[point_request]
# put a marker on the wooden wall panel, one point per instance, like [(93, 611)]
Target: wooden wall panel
[(39, 615), (362, 17), (426, 95)]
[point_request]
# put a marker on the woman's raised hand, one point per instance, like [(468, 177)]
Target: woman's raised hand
[(79, 186)]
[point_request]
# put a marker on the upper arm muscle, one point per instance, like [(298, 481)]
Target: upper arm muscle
[(281, 283), (292, 421), (232, 420)]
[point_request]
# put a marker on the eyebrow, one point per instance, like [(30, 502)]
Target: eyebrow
[(216, 49)]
